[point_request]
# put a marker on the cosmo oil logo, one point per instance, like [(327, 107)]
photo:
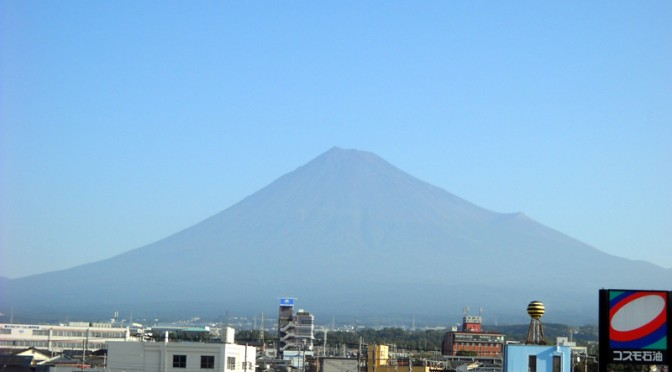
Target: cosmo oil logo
[(638, 320)]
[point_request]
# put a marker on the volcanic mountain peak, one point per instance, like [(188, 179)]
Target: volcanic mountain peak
[(361, 180), (348, 233)]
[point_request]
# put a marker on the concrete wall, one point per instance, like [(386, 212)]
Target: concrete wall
[(338, 365)]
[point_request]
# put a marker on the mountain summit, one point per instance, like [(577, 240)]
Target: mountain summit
[(349, 234)]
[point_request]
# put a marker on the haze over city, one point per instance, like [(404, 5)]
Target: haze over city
[(123, 123)]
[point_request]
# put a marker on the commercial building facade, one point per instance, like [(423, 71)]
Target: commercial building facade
[(471, 340), (296, 332), (56, 338)]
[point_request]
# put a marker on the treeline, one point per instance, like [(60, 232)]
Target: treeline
[(428, 340), (398, 337)]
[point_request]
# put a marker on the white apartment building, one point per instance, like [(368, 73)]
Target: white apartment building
[(180, 356), (56, 338)]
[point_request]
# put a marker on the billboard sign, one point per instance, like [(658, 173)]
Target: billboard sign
[(287, 301), (634, 327)]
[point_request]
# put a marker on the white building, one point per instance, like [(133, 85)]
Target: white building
[(56, 338), (180, 356)]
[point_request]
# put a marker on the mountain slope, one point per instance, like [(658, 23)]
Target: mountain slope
[(348, 233)]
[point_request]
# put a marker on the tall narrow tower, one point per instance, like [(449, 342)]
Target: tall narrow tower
[(285, 325), (535, 334), (296, 333)]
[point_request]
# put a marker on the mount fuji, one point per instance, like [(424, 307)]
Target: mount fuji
[(350, 235)]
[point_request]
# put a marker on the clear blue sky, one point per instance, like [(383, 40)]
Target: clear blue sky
[(122, 122)]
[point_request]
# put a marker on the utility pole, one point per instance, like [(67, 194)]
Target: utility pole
[(359, 356), (83, 354), (303, 358), (261, 333), (324, 350)]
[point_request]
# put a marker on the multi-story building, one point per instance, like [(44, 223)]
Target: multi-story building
[(285, 325), (296, 333), (471, 340), (56, 338), (181, 356), (304, 329)]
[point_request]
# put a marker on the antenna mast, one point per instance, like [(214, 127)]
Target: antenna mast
[(261, 333)]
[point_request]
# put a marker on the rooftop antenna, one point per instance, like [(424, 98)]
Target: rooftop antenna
[(261, 333), (324, 351)]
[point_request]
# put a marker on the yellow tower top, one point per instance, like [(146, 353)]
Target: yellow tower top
[(536, 309)]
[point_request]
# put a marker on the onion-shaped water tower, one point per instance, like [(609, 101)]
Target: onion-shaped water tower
[(535, 334)]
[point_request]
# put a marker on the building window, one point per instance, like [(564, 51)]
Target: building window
[(179, 361), (208, 361), (557, 363), (532, 363), (231, 363)]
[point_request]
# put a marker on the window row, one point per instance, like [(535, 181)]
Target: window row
[(54, 344), (532, 363), (83, 334), (207, 362), (481, 344)]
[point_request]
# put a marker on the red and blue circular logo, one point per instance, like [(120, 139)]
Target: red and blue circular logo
[(638, 320)]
